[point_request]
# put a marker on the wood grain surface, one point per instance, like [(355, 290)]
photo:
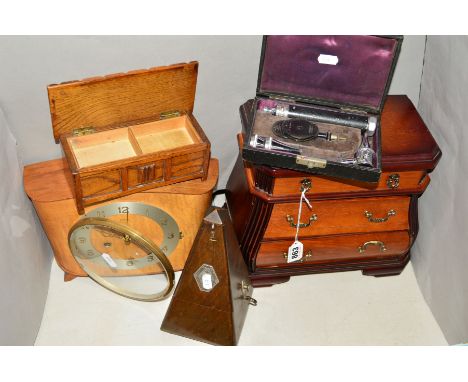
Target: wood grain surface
[(322, 186), (128, 130), (335, 248), (52, 180), (274, 188), (48, 186), (122, 98), (260, 197), (338, 217), (407, 143)]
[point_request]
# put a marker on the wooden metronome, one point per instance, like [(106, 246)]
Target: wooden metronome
[(212, 297)]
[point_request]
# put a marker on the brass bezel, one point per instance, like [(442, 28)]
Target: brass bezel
[(137, 238)]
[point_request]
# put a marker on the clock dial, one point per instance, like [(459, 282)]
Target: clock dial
[(114, 245), (151, 221)]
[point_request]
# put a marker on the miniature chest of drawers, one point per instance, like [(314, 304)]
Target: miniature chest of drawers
[(352, 225)]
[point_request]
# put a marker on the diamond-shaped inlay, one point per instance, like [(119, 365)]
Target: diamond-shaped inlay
[(206, 278)]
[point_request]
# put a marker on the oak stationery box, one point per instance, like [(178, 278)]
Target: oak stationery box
[(318, 104), (129, 132)]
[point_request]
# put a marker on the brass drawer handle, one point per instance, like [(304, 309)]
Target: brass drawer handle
[(308, 255), (290, 220), (369, 216), (363, 247)]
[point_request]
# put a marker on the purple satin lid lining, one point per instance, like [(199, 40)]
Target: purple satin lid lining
[(291, 66)]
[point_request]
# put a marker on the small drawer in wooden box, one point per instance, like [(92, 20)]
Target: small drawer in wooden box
[(129, 132)]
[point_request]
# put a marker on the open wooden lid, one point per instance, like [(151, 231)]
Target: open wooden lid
[(121, 99)]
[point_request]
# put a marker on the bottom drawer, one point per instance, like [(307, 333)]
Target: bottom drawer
[(336, 248)]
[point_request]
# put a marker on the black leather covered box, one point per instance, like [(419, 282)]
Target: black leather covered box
[(318, 104)]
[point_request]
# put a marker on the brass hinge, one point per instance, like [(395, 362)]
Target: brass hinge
[(84, 131), (311, 162), (169, 114)]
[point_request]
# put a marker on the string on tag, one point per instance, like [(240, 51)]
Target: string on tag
[(303, 198)]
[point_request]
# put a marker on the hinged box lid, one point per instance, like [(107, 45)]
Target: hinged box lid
[(121, 99), (341, 71)]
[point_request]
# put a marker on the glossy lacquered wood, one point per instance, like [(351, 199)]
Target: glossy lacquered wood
[(339, 217), (122, 99), (268, 183), (414, 181), (407, 143), (129, 132), (381, 267), (49, 185), (216, 315), (261, 197)]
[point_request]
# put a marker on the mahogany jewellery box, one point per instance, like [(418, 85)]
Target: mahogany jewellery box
[(129, 132), (318, 104)]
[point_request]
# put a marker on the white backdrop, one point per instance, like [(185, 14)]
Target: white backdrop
[(25, 255), (440, 255)]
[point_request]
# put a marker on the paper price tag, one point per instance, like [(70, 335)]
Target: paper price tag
[(295, 252), (109, 260)]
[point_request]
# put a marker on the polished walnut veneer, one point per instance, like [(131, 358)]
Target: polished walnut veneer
[(352, 225), (215, 315)]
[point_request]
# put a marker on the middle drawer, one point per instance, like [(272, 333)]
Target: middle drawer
[(334, 217)]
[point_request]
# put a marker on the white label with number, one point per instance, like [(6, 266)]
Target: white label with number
[(295, 252)]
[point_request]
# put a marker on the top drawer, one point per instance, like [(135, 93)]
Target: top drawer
[(336, 217), (404, 181)]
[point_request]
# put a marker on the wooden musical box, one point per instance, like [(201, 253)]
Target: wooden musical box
[(318, 104), (129, 132)]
